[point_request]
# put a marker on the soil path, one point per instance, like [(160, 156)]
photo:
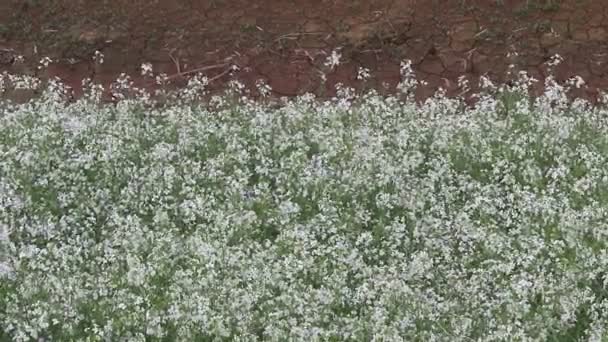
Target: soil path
[(287, 42)]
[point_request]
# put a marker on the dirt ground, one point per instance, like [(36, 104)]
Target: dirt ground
[(286, 42)]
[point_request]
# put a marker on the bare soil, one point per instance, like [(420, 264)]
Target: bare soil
[(286, 42)]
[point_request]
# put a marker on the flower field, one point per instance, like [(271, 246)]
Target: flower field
[(359, 219)]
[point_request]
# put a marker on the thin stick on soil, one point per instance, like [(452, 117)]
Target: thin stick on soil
[(182, 73), (193, 71), (220, 75), (205, 68), (295, 35), (176, 62)]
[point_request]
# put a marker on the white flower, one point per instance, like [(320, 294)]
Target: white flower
[(333, 60), (363, 74), (98, 57), (263, 88), (146, 69), (44, 62)]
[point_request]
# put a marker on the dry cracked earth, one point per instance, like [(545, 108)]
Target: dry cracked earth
[(286, 42)]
